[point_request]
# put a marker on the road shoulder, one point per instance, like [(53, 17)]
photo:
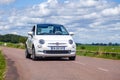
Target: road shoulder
[(11, 73)]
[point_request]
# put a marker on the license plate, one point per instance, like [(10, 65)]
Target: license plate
[(57, 48)]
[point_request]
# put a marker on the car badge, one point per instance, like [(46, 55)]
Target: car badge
[(57, 43)]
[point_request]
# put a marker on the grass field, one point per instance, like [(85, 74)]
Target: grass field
[(2, 66), (110, 52), (112, 49)]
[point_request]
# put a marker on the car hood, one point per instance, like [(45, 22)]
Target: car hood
[(54, 38)]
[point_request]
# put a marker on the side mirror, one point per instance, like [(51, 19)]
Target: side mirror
[(71, 33), (30, 33)]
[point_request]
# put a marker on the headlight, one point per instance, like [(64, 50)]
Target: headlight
[(70, 41), (41, 41)]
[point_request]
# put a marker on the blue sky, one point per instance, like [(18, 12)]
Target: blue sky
[(95, 21)]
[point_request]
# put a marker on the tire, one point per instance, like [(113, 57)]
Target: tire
[(72, 58), (33, 56), (27, 55)]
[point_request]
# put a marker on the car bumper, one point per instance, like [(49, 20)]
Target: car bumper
[(43, 54)]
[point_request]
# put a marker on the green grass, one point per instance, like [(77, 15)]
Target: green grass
[(107, 56), (2, 66), (18, 45), (109, 52), (114, 49)]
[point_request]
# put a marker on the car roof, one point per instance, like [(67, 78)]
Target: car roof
[(50, 24)]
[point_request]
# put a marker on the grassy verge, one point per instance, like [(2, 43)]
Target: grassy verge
[(112, 49), (17, 45), (99, 55), (2, 66), (108, 52)]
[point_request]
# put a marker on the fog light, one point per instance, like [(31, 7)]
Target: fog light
[(73, 46), (39, 46)]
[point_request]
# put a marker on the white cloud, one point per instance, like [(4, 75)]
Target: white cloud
[(115, 28), (111, 11), (96, 24), (6, 1), (66, 2), (14, 33), (89, 19), (114, 37), (92, 15), (89, 3), (4, 27)]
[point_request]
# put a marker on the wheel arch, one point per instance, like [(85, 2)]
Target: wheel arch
[(33, 46)]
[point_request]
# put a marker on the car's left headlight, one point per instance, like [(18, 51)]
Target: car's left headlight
[(70, 41), (41, 41)]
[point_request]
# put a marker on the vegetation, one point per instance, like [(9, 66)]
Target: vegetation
[(13, 45), (9, 40), (12, 38), (94, 48), (111, 52), (2, 66)]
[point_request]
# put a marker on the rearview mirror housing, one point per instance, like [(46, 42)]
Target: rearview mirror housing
[(71, 33), (30, 33)]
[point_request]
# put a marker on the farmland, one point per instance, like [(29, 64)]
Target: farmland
[(114, 49), (110, 52)]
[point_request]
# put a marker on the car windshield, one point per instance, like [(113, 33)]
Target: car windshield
[(44, 29)]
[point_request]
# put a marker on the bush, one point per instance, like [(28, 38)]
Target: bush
[(82, 47)]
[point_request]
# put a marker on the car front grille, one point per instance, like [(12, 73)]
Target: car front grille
[(56, 44), (57, 51)]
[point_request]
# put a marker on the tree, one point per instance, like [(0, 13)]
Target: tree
[(110, 43), (22, 39), (13, 38)]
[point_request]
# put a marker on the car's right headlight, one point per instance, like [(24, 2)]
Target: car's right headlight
[(41, 41), (70, 41)]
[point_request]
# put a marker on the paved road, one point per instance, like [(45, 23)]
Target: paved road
[(84, 68)]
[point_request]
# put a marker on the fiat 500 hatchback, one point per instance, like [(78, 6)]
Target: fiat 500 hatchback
[(50, 40)]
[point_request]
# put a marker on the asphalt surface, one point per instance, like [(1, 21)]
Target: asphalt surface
[(84, 68)]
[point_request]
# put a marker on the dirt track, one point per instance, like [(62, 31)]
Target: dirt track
[(84, 68)]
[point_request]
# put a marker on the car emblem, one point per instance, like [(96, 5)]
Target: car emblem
[(57, 43)]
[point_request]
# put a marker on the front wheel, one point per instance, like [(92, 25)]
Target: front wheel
[(72, 58), (27, 55), (33, 56)]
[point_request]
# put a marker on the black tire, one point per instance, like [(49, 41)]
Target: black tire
[(27, 55), (33, 56), (72, 58)]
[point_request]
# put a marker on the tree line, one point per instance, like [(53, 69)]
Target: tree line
[(12, 38), (106, 44), (102, 44)]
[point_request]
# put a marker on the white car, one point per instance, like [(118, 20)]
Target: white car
[(50, 40)]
